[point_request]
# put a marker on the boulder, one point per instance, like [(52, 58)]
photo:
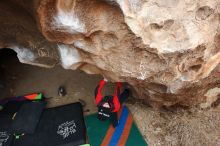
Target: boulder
[(169, 51)]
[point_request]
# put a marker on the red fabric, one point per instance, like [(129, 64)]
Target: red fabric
[(31, 97), (115, 97), (99, 94)]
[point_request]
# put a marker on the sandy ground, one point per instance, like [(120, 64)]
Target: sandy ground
[(170, 127), (178, 127)]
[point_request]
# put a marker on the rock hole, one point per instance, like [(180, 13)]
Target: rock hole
[(157, 87), (5, 56), (195, 67), (155, 26), (216, 103), (168, 23), (217, 40), (204, 12)]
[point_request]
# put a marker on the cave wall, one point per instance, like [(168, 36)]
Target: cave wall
[(167, 50)]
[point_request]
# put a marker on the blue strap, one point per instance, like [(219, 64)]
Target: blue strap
[(119, 129)]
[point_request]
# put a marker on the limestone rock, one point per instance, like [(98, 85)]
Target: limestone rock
[(167, 50)]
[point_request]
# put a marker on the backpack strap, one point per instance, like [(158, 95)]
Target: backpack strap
[(118, 90), (99, 96)]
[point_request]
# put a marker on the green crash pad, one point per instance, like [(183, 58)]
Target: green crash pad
[(97, 131)]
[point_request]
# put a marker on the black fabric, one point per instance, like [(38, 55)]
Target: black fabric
[(60, 126), (103, 113), (109, 100), (6, 114), (5, 136), (27, 117), (114, 119), (106, 113), (124, 95), (12, 107)]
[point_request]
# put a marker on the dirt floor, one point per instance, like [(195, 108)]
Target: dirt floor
[(21, 79), (179, 127), (170, 127)]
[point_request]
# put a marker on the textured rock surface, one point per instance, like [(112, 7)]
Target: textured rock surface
[(168, 50)]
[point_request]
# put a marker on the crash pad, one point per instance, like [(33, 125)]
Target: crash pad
[(58, 126), (104, 134)]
